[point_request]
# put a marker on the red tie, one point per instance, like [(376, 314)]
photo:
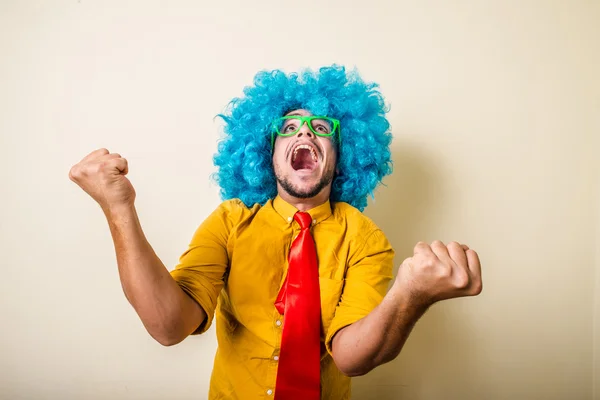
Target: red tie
[(298, 374)]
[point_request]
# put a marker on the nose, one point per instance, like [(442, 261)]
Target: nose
[(305, 130)]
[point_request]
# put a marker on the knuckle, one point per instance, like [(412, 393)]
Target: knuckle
[(444, 271), (420, 244), (462, 280), (430, 261), (454, 244), (101, 168), (425, 261), (437, 243), (477, 287), (74, 172)]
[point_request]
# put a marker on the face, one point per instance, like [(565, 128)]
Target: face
[(304, 163)]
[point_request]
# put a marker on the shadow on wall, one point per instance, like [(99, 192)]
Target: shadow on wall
[(437, 359)]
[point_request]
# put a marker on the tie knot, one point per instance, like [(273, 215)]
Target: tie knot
[(304, 219)]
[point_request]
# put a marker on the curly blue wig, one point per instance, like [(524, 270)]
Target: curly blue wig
[(244, 158)]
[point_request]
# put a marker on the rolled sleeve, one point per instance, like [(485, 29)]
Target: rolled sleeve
[(202, 267), (365, 284)]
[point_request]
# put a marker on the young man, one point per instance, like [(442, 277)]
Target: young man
[(296, 273)]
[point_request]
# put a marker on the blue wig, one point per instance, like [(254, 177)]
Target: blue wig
[(244, 158)]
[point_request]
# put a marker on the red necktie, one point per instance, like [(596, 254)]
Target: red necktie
[(298, 373)]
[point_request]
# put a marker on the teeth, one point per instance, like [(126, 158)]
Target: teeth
[(307, 147)]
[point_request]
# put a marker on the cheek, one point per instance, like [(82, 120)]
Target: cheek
[(331, 151), (279, 154)]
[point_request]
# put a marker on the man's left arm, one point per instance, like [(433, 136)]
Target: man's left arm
[(435, 272)]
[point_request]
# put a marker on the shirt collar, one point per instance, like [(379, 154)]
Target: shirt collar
[(287, 211)]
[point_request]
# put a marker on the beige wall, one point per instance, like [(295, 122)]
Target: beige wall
[(495, 118), (596, 167), (595, 85)]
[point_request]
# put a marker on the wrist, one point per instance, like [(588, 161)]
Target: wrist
[(410, 301), (119, 212)]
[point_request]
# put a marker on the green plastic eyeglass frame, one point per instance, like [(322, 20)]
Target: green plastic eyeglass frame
[(335, 125)]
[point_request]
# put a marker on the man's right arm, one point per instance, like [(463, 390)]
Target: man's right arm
[(166, 311)]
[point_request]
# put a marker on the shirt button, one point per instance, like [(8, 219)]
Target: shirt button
[(276, 358), (278, 322), (314, 221), (289, 219), (269, 392)]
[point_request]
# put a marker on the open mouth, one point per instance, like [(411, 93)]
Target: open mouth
[(304, 157)]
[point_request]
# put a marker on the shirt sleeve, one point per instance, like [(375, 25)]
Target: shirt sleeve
[(365, 284), (202, 267)]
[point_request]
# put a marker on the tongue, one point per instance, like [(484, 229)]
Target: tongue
[(303, 160)]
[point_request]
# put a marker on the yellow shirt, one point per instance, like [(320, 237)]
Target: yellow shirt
[(236, 264)]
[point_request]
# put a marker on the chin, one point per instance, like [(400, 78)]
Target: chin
[(302, 189)]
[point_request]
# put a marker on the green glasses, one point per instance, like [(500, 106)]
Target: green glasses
[(291, 124)]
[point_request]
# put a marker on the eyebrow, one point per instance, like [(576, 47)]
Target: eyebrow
[(293, 113)]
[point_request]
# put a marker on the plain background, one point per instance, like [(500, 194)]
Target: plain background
[(495, 115)]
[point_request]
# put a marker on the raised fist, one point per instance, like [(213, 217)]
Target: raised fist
[(102, 175), (438, 272)]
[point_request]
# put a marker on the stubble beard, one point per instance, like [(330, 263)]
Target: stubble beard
[(290, 189)]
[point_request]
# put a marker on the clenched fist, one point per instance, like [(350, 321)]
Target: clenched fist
[(438, 272), (102, 175)]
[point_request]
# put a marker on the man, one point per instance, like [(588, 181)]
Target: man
[(297, 275)]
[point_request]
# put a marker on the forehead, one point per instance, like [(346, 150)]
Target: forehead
[(301, 112)]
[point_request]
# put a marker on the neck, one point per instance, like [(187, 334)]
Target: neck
[(304, 204)]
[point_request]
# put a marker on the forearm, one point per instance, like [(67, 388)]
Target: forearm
[(166, 311), (379, 337)]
